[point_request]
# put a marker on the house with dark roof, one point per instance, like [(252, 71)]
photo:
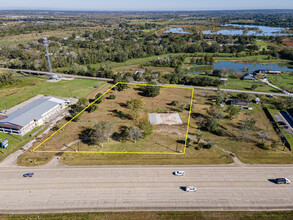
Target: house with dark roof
[(35, 114)]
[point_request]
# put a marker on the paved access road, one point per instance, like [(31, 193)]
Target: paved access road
[(128, 188)]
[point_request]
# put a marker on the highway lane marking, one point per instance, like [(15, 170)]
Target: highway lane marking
[(135, 188)]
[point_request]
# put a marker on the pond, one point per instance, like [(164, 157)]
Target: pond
[(240, 67), (176, 31), (262, 30)]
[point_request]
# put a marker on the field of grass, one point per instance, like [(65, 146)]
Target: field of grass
[(246, 150), (206, 215), (15, 142), (164, 138), (284, 80), (29, 86), (26, 38), (238, 84)]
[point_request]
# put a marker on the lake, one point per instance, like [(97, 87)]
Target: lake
[(239, 67), (263, 30), (176, 31)]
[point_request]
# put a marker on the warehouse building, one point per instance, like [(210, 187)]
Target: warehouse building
[(25, 119)]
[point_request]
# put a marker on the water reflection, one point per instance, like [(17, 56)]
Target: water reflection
[(232, 67)]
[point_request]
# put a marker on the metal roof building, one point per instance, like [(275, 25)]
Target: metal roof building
[(30, 116)]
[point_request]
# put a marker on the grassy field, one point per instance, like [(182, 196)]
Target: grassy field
[(164, 138), (246, 150), (207, 215), (238, 84), (26, 38), (15, 142), (284, 80), (29, 86)]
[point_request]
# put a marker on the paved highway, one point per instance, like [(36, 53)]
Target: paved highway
[(117, 188)]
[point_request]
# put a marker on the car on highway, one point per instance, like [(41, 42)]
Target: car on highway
[(190, 188), (179, 173), (28, 175), (282, 181)]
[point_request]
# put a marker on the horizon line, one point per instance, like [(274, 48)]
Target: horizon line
[(138, 10)]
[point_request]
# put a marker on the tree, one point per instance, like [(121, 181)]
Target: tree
[(135, 106), (216, 112), (135, 133), (200, 121), (101, 131), (147, 128), (112, 96), (92, 108), (254, 87), (74, 116), (232, 111), (209, 144), (188, 142), (151, 91), (100, 99), (218, 101), (212, 125), (83, 101), (199, 136)]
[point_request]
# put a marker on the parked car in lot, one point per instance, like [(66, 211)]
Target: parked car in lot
[(190, 189), (28, 175), (282, 181), (179, 173)]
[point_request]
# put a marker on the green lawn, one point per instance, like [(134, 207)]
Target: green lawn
[(246, 85), (27, 87), (205, 215), (284, 80), (15, 142)]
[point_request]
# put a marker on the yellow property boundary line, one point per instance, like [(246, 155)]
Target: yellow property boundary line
[(105, 152)]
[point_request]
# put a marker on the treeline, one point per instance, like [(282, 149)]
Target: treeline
[(6, 79), (287, 53), (116, 45), (167, 61)]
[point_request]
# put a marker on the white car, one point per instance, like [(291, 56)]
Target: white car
[(190, 189), (179, 173)]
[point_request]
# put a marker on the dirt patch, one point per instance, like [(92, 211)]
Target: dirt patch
[(288, 41)]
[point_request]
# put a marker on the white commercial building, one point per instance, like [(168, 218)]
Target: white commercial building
[(25, 119)]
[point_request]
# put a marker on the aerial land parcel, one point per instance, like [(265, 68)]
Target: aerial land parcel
[(165, 140)]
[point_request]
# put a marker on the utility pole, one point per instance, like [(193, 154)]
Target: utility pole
[(46, 44)]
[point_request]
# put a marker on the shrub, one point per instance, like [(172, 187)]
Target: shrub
[(112, 96), (174, 103)]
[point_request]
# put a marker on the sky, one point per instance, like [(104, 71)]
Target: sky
[(146, 5)]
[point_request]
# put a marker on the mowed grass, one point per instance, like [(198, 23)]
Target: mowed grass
[(164, 138), (15, 142), (27, 87), (246, 150), (283, 80), (205, 215), (238, 84)]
